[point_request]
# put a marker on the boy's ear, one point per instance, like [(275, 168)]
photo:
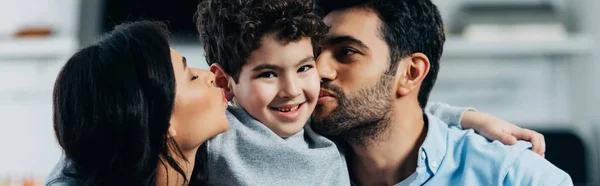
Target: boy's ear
[(222, 80)]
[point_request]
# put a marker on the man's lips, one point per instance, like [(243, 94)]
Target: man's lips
[(325, 93), (324, 96)]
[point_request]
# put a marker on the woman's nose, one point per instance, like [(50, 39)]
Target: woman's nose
[(206, 76)]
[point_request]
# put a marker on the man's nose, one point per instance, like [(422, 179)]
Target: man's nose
[(325, 65)]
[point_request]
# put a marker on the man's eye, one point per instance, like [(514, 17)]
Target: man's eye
[(344, 55), (347, 52)]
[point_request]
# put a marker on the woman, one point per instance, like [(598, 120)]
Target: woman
[(128, 111)]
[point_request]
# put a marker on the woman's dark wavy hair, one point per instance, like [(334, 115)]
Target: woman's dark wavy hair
[(231, 29), (112, 104)]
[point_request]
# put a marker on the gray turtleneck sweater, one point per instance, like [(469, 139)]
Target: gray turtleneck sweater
[(249, 153)]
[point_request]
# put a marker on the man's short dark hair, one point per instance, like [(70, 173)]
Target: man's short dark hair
[(231, 29), (408, 26)]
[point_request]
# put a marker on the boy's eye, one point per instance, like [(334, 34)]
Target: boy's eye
[(267, 75), (305, 68), (194, 77)]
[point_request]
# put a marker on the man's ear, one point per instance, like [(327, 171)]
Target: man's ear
[(412, 69), (222, 80)]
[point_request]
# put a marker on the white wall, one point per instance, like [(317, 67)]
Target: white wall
[(28, 68), (194, 55)]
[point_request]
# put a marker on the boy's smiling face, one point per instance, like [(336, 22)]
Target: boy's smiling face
[(279, 84)]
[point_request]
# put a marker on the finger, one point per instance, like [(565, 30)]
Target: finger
[(543, 143), (534, 146), (531, 136), (541, 146), (523, 134), (538, 143), (507, 139), (535, 141)]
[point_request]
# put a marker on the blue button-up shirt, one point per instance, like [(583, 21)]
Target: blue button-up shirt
[(451, 156)]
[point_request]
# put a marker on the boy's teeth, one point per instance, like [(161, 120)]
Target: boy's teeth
[(288, 109)]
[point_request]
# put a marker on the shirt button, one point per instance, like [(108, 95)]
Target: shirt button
[(434, 164), (423, 155)]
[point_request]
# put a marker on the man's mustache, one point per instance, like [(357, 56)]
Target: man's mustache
[(332, 88)]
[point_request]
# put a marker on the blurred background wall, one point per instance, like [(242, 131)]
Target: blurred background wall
[(531, 62)]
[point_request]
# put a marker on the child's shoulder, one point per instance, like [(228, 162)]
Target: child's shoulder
[(237, 129), (240, 119), (243, 126)]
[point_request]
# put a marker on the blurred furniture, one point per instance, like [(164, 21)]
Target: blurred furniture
[(567, 151)]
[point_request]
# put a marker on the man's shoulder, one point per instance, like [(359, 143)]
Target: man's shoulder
[(504, 164), (473, 142), (459, 140), (479, 151), (483, 152), (530, 168)]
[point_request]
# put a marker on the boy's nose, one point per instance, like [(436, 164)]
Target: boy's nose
[(289, 89)]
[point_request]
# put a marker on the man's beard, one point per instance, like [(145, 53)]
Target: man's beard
[(359, 117)]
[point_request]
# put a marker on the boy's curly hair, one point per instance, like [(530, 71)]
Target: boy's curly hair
[(231, 29)]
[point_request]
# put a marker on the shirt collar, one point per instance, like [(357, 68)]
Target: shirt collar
[(434, 147)]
